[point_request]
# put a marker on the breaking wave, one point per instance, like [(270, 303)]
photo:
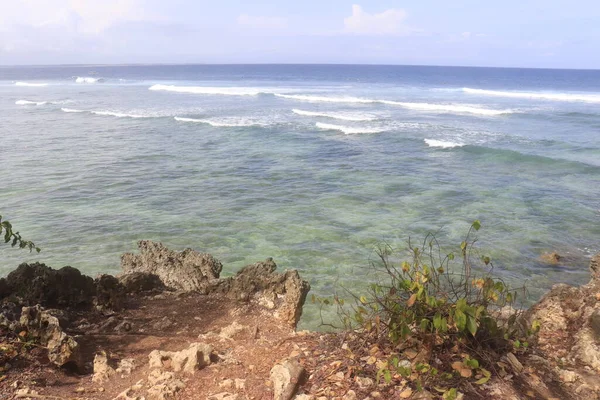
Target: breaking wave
[(233, 91), (86, 79), (30, 84), (72, 110), (348, 130), (590, 98), (342, 116), (30, 103), (224, 122), (452, 108), (443, 144), (106, 113)]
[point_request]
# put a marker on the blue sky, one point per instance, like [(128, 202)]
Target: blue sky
[(524, 33)]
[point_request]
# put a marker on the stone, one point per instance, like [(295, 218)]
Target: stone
[(39, 284), (195, 357), (224, 396), (231, 330), (285, 378), (110, 293), (186, 270), (163, 385), (40, 324), (102, 371), (126, 366), (568, 376), (138, 282), (551, 258), (162, 324), (226, 384), (350, 395), (240, 384), (364, 382), (304, 397)]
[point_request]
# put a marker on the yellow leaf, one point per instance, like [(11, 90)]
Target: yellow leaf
[(411, 300), (405, 394), (371, 360)]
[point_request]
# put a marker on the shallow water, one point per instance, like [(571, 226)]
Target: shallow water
[(310, 165)]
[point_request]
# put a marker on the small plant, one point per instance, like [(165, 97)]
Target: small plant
[(15, 238), (443, 319)]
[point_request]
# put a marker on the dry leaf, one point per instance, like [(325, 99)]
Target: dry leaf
[(405, 394), (411, 300)]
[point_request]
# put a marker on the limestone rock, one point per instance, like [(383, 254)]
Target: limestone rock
[(102, 371), (164, 385), (39, 284), (285, 378), (62, 348), (224, 396), (109, 293), (187, 270), (125, 367), (137, 282), (189, 360)]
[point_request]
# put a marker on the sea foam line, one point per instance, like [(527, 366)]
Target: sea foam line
[(348, 130), (29, 103), (30, 84), (342, 116), (590, 98), (105, 113), (86, 79), (413, 106), (443, 144), (237, 91), (221, 123)]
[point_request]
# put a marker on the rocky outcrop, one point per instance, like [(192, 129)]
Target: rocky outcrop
[(283, 294), (37, 283), (186, 270), (569, 320), (195, 357), (43, 327), (137, 282)]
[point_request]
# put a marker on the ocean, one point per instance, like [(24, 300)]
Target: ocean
[(313, 165)]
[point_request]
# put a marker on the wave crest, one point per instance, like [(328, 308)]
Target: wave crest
[(342, 116), (229, 91), (224, 122), (30, 103), (72, 110), (30, 84), (348, 130), (590, 98), (442, 143), (86, 79)]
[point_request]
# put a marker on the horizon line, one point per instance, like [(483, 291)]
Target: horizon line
[(285, 64)]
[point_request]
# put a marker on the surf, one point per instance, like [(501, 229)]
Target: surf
[(348, 130), (222, 123), (332, 115), (442, 143), (30, 84), (30, 103), (589, 98), (226, 91)]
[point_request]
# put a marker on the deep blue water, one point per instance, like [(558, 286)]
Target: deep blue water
[(312, 165)]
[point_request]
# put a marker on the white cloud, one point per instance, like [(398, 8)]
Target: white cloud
[(261, 22), (389, 22)]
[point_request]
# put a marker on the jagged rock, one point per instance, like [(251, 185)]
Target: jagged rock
[(187, 270), (285, 378), (62, 348), (162, 324), (137, 282), (39, 284), (551, 258), (195, 357), (283, 293), (231, 330), (102, 371), (163, 385), (109, 293)]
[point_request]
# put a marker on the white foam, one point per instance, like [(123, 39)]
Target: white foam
[(30, 103), (343, 116), (72, 110), (119, 115), (590, 98), (230, 91), (30, 84), (224, 122), (443, 144), (86, 79), (349, 130), (451, 108)]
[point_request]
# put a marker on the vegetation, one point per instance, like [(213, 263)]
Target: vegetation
[(15, 238), (437, 322)]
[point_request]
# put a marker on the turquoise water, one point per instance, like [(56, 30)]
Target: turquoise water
[(310, 165)]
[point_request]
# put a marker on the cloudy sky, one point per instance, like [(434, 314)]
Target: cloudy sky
[(523, 33)]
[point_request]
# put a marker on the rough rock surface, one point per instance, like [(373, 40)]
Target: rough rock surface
[(186, 270), (285, 378), (40, 324), (39, 284), (137, 282), (102, 371), (195, 357)]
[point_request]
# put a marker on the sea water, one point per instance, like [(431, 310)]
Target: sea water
[(311, 165)]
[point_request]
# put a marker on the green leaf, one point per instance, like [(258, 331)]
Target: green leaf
[(437, 321), (486, 377), (472, 363), (460, 319), (387, 376), (472, 325), (476, 225)]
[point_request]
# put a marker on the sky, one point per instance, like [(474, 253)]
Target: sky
[(507, 33)]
